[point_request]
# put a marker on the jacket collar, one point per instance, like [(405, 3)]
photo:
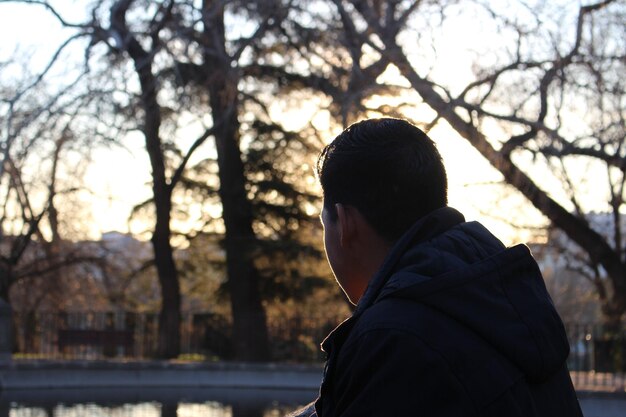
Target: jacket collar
[(423, 230), (426, 228)]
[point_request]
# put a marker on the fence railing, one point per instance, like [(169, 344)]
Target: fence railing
[(597, 357), (98, 335)]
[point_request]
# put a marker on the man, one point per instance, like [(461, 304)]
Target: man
[(448, 321)]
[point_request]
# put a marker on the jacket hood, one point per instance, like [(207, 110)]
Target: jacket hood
[(461, 270)]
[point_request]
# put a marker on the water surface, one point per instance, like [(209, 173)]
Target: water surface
[(200, 402)]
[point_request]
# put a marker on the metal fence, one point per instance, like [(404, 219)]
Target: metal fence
[(204, 336), (597, 359), (597, 356)]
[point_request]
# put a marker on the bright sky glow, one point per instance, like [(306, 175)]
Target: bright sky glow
[(120, 178)]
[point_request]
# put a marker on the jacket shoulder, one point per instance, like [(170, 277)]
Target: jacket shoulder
[(417, 336), (386, 369)]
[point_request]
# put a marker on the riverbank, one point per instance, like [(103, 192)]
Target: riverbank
[(62, 374), (52, 374), (46, 382)]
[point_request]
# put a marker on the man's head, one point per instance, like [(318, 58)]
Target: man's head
[(380, 176), (388, 169)]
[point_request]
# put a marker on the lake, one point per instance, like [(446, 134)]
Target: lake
[(200, 402), (153, 402)]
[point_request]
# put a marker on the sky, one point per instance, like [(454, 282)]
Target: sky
[(471, 179)]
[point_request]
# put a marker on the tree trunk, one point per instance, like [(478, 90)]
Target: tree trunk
[(7, 340), (6, 279), (249, 326), (169, 410), (247, 410), (169, 318)]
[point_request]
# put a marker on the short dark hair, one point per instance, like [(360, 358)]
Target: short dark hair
[(388, 169)]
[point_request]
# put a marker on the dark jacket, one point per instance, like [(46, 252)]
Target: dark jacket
[(453, 324)]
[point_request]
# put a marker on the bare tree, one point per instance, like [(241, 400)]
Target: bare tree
[(557, 94), (184, 64), (37, 130)]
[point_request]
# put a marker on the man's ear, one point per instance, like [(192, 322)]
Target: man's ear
[(346, 224)]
